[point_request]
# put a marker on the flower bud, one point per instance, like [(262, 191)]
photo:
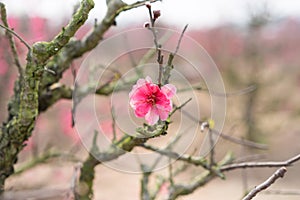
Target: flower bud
[(148, 5), (156, 14), (146, 25)]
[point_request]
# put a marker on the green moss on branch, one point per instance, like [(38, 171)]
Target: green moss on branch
[(44, 50), (25, 103), (76, 48)]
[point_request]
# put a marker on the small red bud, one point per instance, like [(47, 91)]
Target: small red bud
[(156, 14), (148, 5), (146, 25)]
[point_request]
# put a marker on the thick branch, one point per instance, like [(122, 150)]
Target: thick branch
[(77, 48), (23, 109), (57, 91), (45, 50), (51, 96), (122, 146), (88, 172), (127, 143)]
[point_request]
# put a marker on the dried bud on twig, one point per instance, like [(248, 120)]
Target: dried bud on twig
[(156, 14), (148, 5), (146, 25)]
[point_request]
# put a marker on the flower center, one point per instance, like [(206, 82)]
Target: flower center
[(151, 99)]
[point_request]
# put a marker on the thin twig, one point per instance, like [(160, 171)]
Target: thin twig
[(283, 192), (278, 174), (249, 158), (198, 181), (246, 90), (151, 52), (43, 159), (163, 180), (195, 160), (244, 142), (145, 194), (179, 41), (113, 124), (75, 99), (11, 39), (160, 60), (160, 57), (10, 31), (76, 48), (151, 28), (171, 172), (244, 174), (212, 149), (240, 92), (180, 107), (147, 171), (72, 194), (286, 163), (15, 34)]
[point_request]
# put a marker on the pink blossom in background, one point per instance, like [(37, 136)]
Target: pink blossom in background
[(13, 22), (3, 61), (150, 101), (3, 67), (29, 144), (38, 28), (65, 117)]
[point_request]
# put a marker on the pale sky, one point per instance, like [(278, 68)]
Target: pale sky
[(196, 13)]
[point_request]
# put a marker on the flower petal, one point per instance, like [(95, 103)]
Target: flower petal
[(163, 111), (150, 101), (169, 90), (140, 83), (142, 109), (148, 79), (152, 116)]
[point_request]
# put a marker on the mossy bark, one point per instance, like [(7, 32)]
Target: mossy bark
[(24, 105)]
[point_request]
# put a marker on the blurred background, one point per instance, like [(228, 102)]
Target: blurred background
[(254, 43)]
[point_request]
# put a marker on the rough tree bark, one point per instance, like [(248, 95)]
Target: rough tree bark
[(23, 107), (46, 63)]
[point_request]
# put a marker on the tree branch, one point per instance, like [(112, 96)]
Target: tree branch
[(6, 27), (278, 174), (45, 50), (57, 91), (87, 173), (239, 141), (286, 163), (76, 48), (116, 149), (283, 192), (10, 34), (42, 159), (195, 160), (23, 108), (184, 189)]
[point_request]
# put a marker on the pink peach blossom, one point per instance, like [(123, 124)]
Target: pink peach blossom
[(150, 101)]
